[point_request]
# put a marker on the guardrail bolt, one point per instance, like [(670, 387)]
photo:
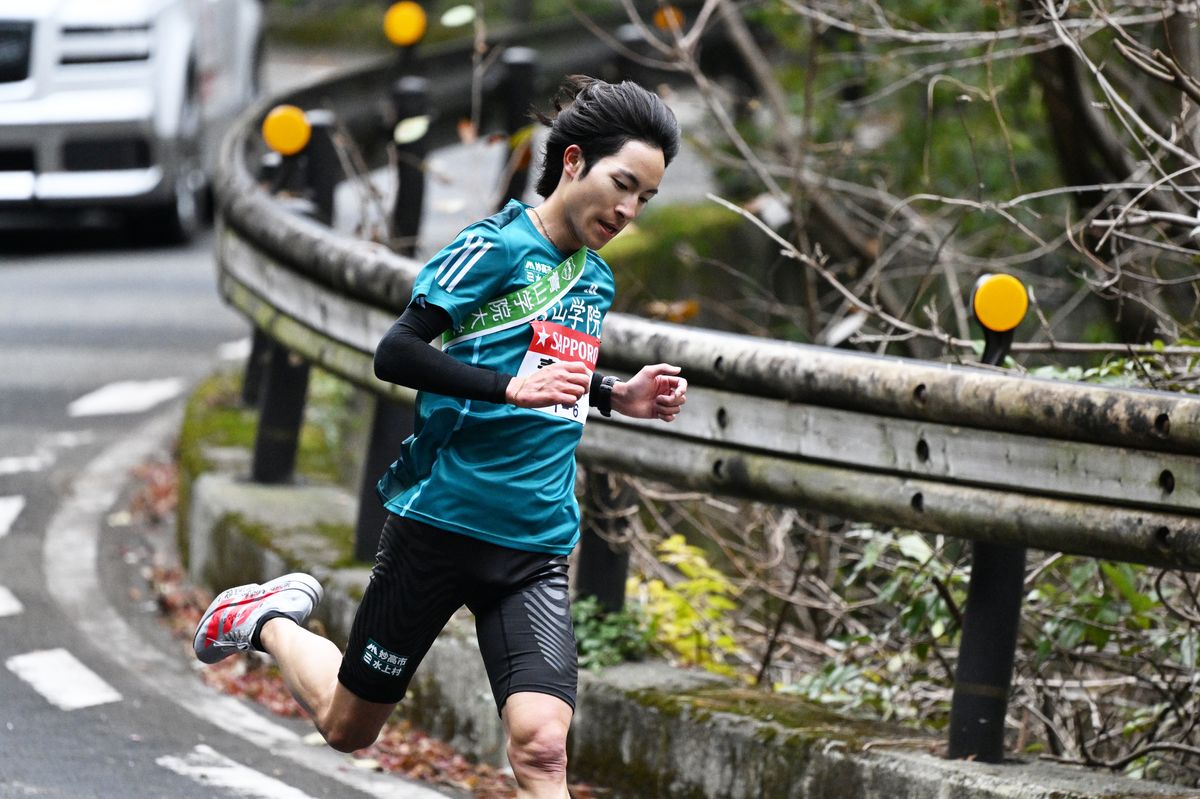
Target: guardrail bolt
[(520, 74), (410, 99), (993, 611)]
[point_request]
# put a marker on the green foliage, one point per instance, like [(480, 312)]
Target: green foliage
[(873, 672), (1176, 373), (1088, 605), (606, 639), (692, 616)]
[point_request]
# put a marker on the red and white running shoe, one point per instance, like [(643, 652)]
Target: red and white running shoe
[(232, 621)]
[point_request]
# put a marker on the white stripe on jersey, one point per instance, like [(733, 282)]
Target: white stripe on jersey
[(470, 264), (460, 262), (455, 258)]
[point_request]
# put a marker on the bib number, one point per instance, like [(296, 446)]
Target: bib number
[(553, 343)]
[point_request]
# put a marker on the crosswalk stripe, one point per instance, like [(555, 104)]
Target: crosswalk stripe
[(19, 464), (9, 604), (212, 769), (126, 396), (46, 453), (58, 676), (10, 509)]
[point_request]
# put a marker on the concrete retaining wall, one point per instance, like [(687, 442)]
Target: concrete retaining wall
[(644, 730)]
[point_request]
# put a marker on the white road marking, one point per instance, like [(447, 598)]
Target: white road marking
[(66, 683), (45, 456), (234, 350), (212, 769), (75, 585), (19, 464), (9, 604), (10, 509), (126, 396), (70, 438)]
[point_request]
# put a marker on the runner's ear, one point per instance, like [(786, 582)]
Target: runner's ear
[(573, 163)]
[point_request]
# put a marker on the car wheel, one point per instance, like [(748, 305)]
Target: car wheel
[(178, 219)]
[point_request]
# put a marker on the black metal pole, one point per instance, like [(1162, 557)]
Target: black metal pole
[(520, 73), (410, 97), (989, 640), (626, 63), (987, 652), (390, 425), (256, 365), (280, 416), (603, 567), (324, 166)]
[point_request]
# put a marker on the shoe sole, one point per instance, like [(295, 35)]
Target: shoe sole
[(307, 582)]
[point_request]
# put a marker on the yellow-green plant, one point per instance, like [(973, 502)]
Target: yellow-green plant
[(692, 616)]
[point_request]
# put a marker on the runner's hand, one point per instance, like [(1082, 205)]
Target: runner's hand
[(561, 383), (655, 392)]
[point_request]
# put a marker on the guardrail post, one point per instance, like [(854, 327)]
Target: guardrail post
[(280, 416), (603, 565), (324, 171), (520, 72), (410, 97), (256, 364), (993, 613), (391, 423)]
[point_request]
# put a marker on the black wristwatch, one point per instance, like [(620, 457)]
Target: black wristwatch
[(604, 395)]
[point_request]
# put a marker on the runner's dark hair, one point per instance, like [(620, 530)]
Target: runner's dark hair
[(601, 118)]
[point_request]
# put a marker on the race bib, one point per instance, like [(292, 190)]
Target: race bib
[(553, 343)]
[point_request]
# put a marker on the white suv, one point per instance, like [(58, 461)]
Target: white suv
[(121, 103)]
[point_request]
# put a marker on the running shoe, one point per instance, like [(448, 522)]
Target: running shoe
[(232, 621)]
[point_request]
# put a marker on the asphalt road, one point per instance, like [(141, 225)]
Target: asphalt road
[(99, 341)]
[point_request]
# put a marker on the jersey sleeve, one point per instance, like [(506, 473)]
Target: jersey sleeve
[(472, 270)]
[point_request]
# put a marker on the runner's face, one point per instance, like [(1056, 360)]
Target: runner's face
[(601, 203)]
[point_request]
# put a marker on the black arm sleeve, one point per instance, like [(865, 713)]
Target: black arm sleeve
[(404, 357)]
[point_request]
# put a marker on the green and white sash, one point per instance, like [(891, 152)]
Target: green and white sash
[(522, 305)]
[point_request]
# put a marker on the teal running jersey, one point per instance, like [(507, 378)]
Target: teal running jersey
[(496, 472)]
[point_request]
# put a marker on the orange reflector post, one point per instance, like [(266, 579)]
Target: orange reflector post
[(1000, 302), (668, 18), (286, 130), (404, 23)]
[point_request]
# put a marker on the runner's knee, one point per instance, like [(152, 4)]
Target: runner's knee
[(348, 737), (539, 751)]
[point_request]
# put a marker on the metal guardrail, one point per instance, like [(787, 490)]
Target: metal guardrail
[(1007, 461)]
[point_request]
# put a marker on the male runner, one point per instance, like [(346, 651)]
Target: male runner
[(481, 501)]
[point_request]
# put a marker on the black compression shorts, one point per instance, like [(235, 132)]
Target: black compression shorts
[(422, 575)]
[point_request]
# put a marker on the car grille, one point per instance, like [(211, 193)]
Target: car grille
[(104, 44), (15, 44), (97, 154), (17, 160)]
